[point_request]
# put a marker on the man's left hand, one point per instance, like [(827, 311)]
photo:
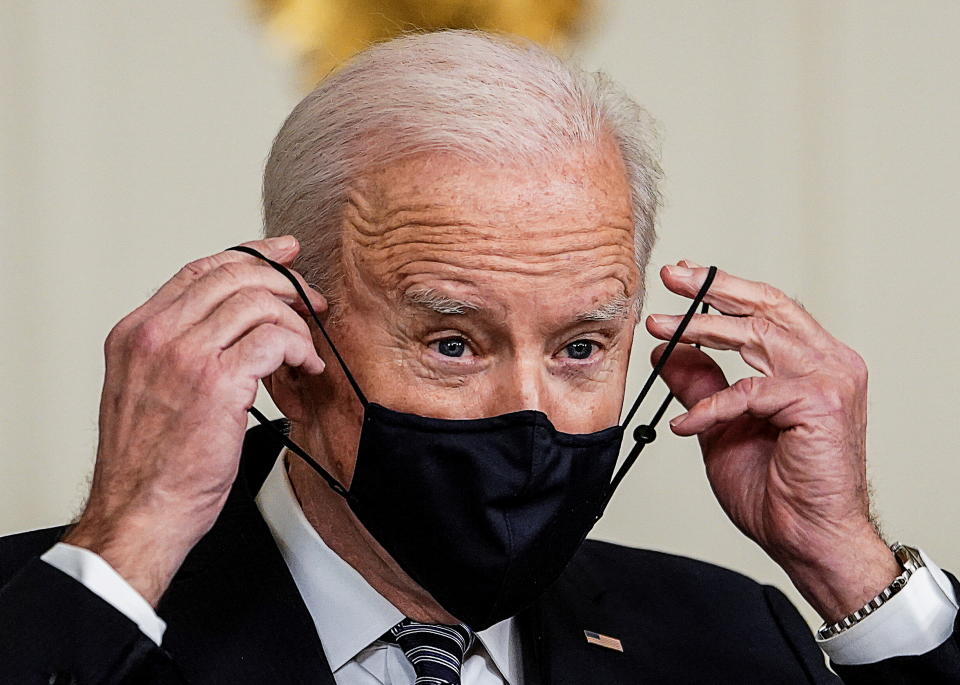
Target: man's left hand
[(785, 451)]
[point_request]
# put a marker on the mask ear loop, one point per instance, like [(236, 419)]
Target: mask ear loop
[(306, 300), (267, 423), (646, 433)]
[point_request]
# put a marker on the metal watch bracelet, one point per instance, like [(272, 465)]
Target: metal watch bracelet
[(909, 560)]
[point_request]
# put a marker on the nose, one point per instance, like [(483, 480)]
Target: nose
[(521, 384)]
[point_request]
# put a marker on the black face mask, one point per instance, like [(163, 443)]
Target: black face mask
[(483, 513)]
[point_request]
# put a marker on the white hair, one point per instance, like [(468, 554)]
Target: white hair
[(479, 96)]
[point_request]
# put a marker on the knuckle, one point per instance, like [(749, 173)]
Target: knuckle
[(712, 404), (117, 337), (148, 337), (254, 298), (762, 328), (232, 271), (198, 267), (771, 297), (701, 408), (272, 335), (266, 303), (857, 366), (746, 386), (273, 343)]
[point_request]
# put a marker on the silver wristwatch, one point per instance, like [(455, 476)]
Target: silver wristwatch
[(909, 560)]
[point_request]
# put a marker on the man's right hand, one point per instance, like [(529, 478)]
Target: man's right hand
[(181, 372)]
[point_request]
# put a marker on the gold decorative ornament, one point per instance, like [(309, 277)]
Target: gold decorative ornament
[(324, 33)]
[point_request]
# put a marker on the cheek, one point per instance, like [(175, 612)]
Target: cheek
[(587, 408), (582, 402)]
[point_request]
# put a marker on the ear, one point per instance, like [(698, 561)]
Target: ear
[(284, 385)]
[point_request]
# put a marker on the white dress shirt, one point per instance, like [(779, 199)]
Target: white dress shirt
[(350, 615)]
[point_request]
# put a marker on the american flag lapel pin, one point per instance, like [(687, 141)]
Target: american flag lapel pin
[(603, 640)]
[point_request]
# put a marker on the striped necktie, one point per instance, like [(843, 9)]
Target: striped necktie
[(435, 651)]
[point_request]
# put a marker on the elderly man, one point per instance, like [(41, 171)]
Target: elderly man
[(472, 219)]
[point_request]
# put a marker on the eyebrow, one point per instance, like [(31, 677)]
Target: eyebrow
[(431, 299), (617, 308)]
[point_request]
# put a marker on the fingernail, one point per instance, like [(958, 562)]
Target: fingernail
[(692, 263), (677, 420), (680, 271), (662, 319), (282, 242)]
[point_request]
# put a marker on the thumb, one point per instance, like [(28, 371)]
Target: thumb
[(690, 373)]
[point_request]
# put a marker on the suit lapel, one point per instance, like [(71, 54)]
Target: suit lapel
[(555, 649), (234, 613)]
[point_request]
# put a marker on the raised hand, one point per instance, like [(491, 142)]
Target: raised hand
[(181, 372), (784, 451)]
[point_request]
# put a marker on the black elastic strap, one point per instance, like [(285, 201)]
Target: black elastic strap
[(646, 433), (674, 341), (300, 452), (306, 300), (267, 423)]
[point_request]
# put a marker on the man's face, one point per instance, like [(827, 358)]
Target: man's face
[(474, 291)]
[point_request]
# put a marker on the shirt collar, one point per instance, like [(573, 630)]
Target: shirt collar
[(348, 613)]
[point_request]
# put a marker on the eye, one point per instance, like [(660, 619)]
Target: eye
[(451, 347), (580, 349)]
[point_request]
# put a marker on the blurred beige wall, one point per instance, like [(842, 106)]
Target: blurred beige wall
[(811, 144)]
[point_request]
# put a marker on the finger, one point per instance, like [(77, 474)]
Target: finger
[(690, 374), (740, 297), (281, 249), (261, 352), (243, 311), (764, 346), (203, 297), (766, 398)]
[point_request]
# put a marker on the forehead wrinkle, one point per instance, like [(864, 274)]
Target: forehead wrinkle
[(470, 266), (432, 224), (379, 222), (468, 243), (414, 240), (479, 237)]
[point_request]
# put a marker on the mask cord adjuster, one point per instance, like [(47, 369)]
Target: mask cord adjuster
[(646, 433)]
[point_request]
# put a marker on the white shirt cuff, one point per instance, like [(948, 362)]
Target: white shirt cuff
[(100, 578), (916, 620)]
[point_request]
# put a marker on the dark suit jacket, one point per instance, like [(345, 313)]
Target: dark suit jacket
[(234, 615)]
